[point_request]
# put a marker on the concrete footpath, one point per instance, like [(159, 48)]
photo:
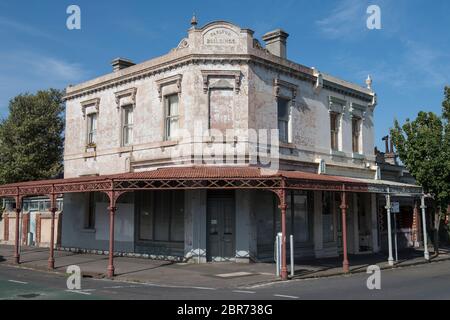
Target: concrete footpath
[(217, 275)]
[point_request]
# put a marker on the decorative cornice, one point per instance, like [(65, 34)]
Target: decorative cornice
[(88, 103), (335, 87), (287, 68), (235, 59)]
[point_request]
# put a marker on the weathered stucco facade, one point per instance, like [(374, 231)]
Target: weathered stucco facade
[(223, 79), (192, 70)]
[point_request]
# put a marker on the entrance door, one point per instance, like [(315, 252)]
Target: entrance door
[(221, 227)]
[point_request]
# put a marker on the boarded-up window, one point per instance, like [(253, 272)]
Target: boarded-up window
[(221, 108), (146, 217), (89, 219), (161, 216), (327, 217)]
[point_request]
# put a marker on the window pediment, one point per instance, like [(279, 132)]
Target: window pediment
[(94, 103), (221, 77), (176, 79), (336, 105), (357, 110), (285, 89), (126, 97)]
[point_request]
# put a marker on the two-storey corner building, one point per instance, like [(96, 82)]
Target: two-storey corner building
[(145, 171)]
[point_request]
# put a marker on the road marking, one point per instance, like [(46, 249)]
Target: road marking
[(243, 291), (176, 287), (150, 284), (121, 287), (266, 274), (284, 296), (234, 274), (80, 292), (19, 282), (202, 288)]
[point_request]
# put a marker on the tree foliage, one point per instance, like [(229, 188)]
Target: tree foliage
[(423, 146), (31, 137)]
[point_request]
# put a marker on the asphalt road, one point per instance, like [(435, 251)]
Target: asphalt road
[(430, 281)]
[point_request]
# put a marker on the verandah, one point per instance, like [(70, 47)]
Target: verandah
[(208, 178)]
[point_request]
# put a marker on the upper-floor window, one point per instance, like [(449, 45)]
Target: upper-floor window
[(356, 135), (91, 128), (171, 116), (283, 119), (127, 125), (334, 130)]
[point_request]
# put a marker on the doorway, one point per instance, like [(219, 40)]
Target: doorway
[(221, 217)]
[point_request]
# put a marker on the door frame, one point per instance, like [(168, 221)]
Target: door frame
[(220, 195)]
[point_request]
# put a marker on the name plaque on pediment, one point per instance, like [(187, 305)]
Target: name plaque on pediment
[(220, 37)]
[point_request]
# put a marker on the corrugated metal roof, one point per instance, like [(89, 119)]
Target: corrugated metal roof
[(212, 172), (199, 172)]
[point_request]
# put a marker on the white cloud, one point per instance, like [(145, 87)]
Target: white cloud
[(10, 25), (27, 72), (428, 63), (347, 18), (415, 65)]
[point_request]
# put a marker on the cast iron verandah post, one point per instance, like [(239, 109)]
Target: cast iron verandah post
[(113, 196), (281, 193), (112, 211), (344, 206), (18, 199), (53, 209)]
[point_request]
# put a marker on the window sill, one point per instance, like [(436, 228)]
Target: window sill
[(287, 145), (358, 156), (337, 153), (124, 149), (90, 154), (168, 143), (88, 230)]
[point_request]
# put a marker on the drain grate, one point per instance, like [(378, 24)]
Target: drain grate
[(29, 295)]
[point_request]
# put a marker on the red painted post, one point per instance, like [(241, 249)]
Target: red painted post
[(344, 207), (17, 235), (283, 207), (17, 238), (112, 211), (51, 258)]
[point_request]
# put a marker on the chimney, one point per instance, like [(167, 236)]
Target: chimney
[(121, 63), (276, 42)]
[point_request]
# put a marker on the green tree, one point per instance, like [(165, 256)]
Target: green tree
[(31, 137), (423, 146)]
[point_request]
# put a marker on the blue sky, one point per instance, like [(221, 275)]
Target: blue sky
[(408, 59)]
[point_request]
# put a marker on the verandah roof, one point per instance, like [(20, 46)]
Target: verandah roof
[(204, 177)]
